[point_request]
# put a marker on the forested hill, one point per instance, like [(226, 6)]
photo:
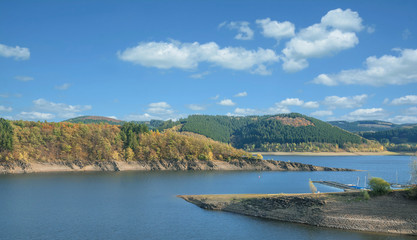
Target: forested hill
[(82, 144), (397, 136), (95, 119), (364, 126), (257, 132)]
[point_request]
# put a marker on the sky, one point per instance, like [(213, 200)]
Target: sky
[(143, 60)]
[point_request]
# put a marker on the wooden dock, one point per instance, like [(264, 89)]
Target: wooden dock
[(338, 185)]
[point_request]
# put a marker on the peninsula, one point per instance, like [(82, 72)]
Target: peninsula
[(392, 213)]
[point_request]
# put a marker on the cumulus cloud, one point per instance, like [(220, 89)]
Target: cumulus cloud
[(322, 113), (366, 114), (336, 32), (35, 115), (275, 29), (406, 100), (411, 111), (23, 78), (244, 31), (160, 108), (227, 102), (298, 102), (5, 109), (64, 86), (311, 104), (196, 107), (345, 102), (246, 111), (61, 109), (141, 117), (386, 70), (241, 94), (18, 53), (166, 55), (403, 119)]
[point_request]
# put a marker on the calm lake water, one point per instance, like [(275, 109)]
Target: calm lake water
[(143, 205)]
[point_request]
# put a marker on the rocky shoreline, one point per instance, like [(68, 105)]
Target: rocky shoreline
[(194, 165), (393, 213)]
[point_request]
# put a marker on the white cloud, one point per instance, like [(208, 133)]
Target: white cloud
[(35, 116), (346, 20), (159, 105), (370, 29), (403, 119), (160, 108), (241, 94), (406, 100), (277, 108), (64, 86), (4, 95), (199, 75), (5, 109), (366, 114), (23, 78), (227, 102), (311, 104), (322, 113), (335, 33), (388, 69), (245, 32), (167, 55), (61, 109), (141, 117), (114, 117), (345, 102), (291, 102), (196, 107), (215, 97), (275, 29), (411, 111), (18, 53), (246, 112), (298, 102)]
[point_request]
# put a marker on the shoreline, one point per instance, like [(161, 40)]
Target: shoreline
[(162, 165), (341, 210), (384, 153)]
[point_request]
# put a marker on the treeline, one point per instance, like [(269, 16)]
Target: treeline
[(396, 136), (269, 130), (256, 132), (78, 143)]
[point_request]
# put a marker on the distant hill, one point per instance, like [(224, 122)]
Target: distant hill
[(95, 119), (364, 126), (406, 134), (270, 131)]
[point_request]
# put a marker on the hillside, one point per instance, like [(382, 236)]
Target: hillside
[(94, 119), (282, 132), (364, 126), (45, 147), (397, 136)]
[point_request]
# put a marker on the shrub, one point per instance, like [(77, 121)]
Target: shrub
[(366, 195), (379, 186), (412, 192)]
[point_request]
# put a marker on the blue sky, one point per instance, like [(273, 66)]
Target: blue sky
[(142, 60)]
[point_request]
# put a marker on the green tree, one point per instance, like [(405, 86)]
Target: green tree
[(6, 135), (379, 186)]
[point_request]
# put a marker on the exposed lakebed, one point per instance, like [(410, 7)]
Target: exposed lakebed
[(142, 205)]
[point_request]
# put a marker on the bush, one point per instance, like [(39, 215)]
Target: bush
[(412, 192), (366, 195), (379, 186)]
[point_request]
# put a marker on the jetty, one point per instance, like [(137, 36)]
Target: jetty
[(345, 187)]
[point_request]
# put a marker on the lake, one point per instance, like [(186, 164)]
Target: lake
[(143, 205)]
